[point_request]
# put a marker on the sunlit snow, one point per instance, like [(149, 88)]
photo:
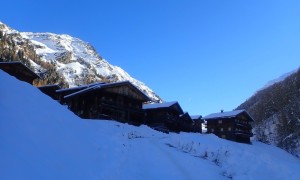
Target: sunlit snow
[(51, 47), (41, 139)]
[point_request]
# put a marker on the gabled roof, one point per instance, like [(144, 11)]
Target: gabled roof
[(159, 105), (50, 90), (78, 88), (186, 116), (14, 68), (163, 105), (97, 86), (50, 86), (196, 117), (228, 114)]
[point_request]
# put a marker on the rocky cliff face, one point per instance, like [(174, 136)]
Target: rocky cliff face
[(276, 110), (68, 61)]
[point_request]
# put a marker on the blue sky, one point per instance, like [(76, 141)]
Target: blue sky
[(208, 55)]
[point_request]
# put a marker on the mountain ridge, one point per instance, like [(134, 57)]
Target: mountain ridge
[(279, 79), (76, 61), (276, 110)]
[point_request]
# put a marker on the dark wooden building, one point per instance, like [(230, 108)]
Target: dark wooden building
[(232, 125), (61, 93), (163, 116), (198, 122), (20, 71), (50, 90), (186, 123), (120, 101)]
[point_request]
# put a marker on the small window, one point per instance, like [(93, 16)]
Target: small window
[(220, 121), (212, 130), (229, 129), (222, 129), (223, 136)]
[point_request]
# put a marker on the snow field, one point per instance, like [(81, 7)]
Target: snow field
[(40, 139)]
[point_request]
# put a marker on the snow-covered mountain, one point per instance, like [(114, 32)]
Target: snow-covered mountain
[(277, 80), (40, 139), (75, 60), (276, 110)]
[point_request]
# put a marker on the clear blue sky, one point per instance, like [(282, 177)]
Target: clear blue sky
[(208, 55)]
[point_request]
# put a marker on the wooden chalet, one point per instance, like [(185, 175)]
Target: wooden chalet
[(163, 116), (198, 121), (232, 125), (19, 70), (50, 90), (120, 101), (61, 93), (186, 123)]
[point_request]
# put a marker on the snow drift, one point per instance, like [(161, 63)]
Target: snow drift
[(40, 139)]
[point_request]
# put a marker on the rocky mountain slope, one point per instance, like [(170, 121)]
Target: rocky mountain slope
[(66, 60), (276, 110)]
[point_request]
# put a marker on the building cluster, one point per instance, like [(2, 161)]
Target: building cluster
[(122, 101)]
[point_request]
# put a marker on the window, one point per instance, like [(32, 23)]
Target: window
[(212, 130), (222, 129), (223, 136), (220, 121), (229, 129)]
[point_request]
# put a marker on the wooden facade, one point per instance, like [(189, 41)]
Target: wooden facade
[(233, 125), (163, 116), (119, 101), (186, 123), (20, 71), (61, 93)]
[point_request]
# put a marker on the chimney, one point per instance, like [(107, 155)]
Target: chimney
[(222, 110)]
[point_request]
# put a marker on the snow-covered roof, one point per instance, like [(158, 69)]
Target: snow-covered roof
[(79, 87), (163, 105), (227, 114), (87, 88), (159, 105), (194, 117), (20, 65)]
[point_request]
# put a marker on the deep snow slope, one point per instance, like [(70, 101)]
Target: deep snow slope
[(40, 139)]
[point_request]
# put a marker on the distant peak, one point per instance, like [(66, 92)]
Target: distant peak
[(7, 29), (279, 79)]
